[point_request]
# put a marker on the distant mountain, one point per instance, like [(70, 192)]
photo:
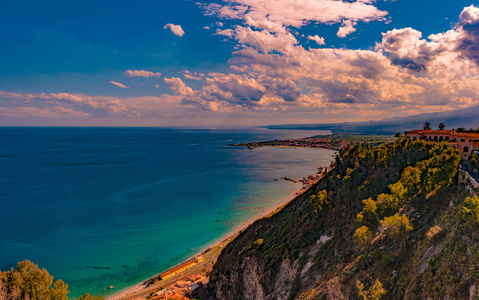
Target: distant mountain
[(467, 118)]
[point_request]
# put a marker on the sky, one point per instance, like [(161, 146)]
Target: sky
[(234, 62)]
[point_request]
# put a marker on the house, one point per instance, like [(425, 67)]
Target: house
[(466, 142), (169, 295)]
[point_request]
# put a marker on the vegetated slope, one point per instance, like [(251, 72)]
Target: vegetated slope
[(387, 222)]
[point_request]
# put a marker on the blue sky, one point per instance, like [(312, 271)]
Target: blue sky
[(238, 62)]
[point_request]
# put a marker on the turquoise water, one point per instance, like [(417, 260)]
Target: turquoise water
[(114, 206)]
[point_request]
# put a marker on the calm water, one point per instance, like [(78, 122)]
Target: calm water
[(107, 206)]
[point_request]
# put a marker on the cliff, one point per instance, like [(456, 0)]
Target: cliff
[(388, 222)]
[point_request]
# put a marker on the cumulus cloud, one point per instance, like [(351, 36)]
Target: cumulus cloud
[(319, 40), (193, 76), (272, 74), (346, 28), (262, 40), (295, 13), (468, 28), (79, 103), (176, 29), (404, 74), (178, 86), (120, 85), (52, 113), (140, 73), (457, 48)]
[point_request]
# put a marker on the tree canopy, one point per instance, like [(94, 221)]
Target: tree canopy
[(28, 281)]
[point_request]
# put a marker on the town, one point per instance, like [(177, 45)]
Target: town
[(335, 141)]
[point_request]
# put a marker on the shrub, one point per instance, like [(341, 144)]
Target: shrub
[(385, 261), (433, 232), (375, 292), (362, 238), (397, 226), (470, 211), (258, 242)]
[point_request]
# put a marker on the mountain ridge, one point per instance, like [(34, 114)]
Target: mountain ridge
[(466, 117)]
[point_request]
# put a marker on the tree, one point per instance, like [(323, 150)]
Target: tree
[(318, 200), (470, 211), (442, 126), (388, 204), (320, 170), (473, 158), (88, 297), (375, 292), (362, 238), (27, 281), (59, 291), (397, 226), (427, 126), (369, 214)]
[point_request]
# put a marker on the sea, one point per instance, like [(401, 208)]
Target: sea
[(100, 207)]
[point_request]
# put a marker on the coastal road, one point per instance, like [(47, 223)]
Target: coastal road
[(202, 268)]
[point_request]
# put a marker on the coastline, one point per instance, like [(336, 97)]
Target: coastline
[(140, 289)]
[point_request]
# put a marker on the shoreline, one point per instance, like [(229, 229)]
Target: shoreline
[(221, 242)]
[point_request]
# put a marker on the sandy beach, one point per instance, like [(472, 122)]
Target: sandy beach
[(141, 290)]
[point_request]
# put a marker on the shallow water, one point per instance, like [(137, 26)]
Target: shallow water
[(114, 206)]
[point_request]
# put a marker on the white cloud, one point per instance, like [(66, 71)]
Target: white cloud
[(262, 40), (176, 29), (319, 40), (120, 85), (79, 103), (346, 28), (52, 113), (193, 76), (177, 86), (140, 73), (272, 71), (296, 13)]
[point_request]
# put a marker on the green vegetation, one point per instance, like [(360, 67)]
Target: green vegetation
[(362, 238), (375, 292), (28, 281), (397, 226), (330, 141), (317, 201), (474, 162), (470, 211), (391, 217), (433, 232)]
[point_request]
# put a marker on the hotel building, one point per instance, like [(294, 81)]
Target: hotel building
[(466, 142)]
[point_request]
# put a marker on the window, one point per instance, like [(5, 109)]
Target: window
[(466, 149), (463, 140), (447, 138), (413, 138)]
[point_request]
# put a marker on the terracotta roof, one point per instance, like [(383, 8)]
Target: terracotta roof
[(431, 131), (465, 134), (451, 132)]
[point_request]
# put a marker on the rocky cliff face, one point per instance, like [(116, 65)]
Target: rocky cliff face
[(311, 249)]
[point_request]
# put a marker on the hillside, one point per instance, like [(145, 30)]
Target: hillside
[(466, 118), (388, 222)]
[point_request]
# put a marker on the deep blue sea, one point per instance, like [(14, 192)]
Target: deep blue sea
[(113, 206)]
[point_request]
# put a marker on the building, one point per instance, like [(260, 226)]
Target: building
[(466, 142)]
